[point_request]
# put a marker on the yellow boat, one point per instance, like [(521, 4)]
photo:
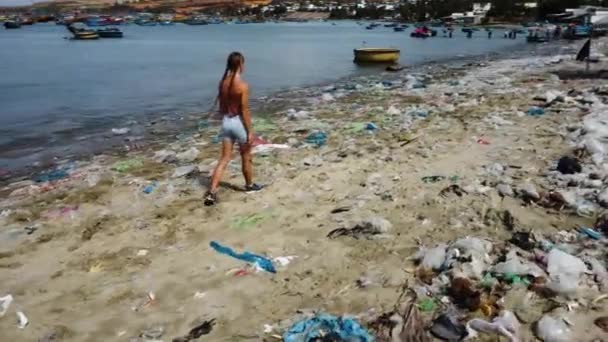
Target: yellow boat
[(376, 55)]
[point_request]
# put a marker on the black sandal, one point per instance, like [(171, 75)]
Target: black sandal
[(210, 199)]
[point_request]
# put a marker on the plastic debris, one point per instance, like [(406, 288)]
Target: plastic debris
[(183, 171), (120, 131), (200, 295), (403, 324), (5, 303), (427, 305), (127, 165), (433, 179), (198, 331), (292, 114), (568, 165), (506, 325), (53, 175), (317, 138), (551, 329), (602, 323), (366, 228), (150, 187), (448, 328), (265, 148), (595, 235), (536, 111), (432, 258), (370, 126), (564, 271), (325, 326), (284, 260), (258, 260), (22, 320), (188, 156)]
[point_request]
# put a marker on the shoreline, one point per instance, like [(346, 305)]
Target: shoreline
[(148, 137)]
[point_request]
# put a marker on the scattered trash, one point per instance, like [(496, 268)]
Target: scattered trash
[(595, 235), (433, 179), (340, 210), (120, 131), (366, 228), (506, 325), (152, 333), (432, 258), (448, 328), (564, 271), (551, 329), (266, 148), (148, 301), (142, 252), (203, 124), (317, 138), (165, 156), (602, 323), (188, 156), (370, 126), (523, 240), (455, 189), (258, 260), (464, 294), (568, 165), (536, 111), (150, 187), (403, 324), (483, 141), (427, 305), (53, 175), (184, 171), (198, 331), (200, 295), (284, 260), (292, 114), (127, 165), (326, 327), (22, 320), (395, 67), (5, 303)]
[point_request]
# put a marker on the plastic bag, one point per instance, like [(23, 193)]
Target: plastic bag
[(506, 325), (550, 329)]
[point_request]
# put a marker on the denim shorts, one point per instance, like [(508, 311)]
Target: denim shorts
[(233, 129)]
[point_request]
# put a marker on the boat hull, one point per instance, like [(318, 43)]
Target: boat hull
[(376, 55), (11, 25)]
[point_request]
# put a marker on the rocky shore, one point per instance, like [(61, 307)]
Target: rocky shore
[(471, 197)]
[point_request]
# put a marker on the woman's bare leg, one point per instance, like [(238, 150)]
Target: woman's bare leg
[(247, 164), (226, 155)]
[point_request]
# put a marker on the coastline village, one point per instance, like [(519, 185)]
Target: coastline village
[(203, 12)]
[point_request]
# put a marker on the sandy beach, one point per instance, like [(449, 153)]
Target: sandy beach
[(116, 248)]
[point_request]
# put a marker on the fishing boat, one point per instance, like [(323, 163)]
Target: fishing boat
[(110, 32), (12, 24), (376, 55), (196, 21), (82, 33), (166, 23), (142, 22), (423, 32)]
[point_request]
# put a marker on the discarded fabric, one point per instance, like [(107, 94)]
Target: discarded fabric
[(324, 326), (258, 260)]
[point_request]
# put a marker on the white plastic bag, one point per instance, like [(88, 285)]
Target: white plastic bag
[(550, 329)]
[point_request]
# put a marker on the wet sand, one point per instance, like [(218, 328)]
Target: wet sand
[(100, 247)]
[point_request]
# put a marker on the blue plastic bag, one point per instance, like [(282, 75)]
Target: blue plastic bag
[(536, 111), (262, 262), (347, 329), (317, 138)]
